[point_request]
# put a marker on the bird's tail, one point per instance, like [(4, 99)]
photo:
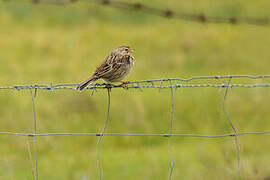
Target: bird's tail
[(84, 84)]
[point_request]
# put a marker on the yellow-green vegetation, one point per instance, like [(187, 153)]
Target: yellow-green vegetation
[(44, 44)]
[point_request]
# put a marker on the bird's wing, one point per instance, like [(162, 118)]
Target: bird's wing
[(102, 70), (105, 67)]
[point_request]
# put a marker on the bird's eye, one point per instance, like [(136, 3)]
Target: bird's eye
[(126, 49)]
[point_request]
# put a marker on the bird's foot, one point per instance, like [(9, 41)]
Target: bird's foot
[(109, 86), (124, 84)]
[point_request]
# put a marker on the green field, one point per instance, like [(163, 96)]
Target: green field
[(50, 44)]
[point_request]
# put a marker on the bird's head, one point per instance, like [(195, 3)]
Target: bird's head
[(123, 50)]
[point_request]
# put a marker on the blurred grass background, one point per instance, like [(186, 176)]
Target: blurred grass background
[(44, 44)]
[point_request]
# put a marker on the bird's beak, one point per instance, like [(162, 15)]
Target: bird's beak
[(132, 50)]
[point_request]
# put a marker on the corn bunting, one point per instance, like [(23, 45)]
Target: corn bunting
[(114, 68)]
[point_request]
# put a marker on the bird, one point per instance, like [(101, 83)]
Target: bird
[(114, 68)]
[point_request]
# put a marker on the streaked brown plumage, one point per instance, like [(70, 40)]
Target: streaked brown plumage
[(114, 68)]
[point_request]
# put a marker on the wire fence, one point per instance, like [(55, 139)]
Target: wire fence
[(167, 13), (172, 83), (164, 83)]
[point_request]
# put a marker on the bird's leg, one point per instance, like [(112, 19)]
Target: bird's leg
[(124, 84), (109, 86)]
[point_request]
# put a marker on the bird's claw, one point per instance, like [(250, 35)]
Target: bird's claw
[(124, 84), (109, 86)]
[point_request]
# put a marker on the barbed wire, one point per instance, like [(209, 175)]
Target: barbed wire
[(172, 83), (136, 134), (167, 13), (151, 83)]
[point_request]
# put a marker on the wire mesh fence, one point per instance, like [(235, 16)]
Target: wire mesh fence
[(167, 13), (224, 82)]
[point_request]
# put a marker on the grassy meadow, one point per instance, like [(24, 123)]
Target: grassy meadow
[(50, 44)]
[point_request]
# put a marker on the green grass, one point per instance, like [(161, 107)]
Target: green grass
[(44, 44)]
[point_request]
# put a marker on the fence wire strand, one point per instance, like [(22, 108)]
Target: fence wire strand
[(30, 157), (234, 129), (138, 134), (150, 83), (171, 83), (104, 129), (170, 132), (35, 130), (167, 13)]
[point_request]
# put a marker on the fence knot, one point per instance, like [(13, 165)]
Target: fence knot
[(105, 2), (233, 20), (138, 5), (49, 87), (167, 135), (224, 85), (17, 87), (168, 13), (99, 134), (202, 18)]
